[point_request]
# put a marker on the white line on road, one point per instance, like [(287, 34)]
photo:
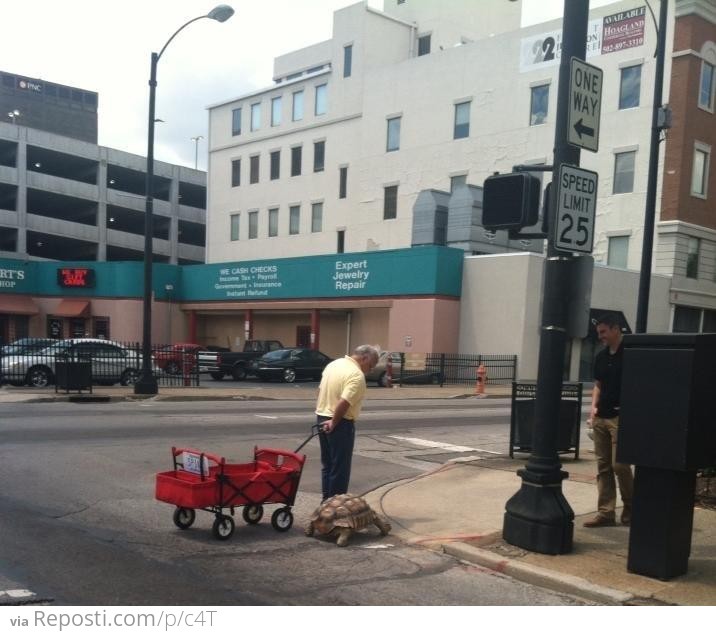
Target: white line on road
[(17, 593), (449, 447), (266, 417)]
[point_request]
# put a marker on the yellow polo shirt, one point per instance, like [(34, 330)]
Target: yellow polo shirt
[(342, 379)]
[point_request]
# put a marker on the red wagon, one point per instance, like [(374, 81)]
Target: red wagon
[(205, 481)]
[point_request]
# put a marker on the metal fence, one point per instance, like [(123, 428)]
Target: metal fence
[(455, 369), (109, 363)]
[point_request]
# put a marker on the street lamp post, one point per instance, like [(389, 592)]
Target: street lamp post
[(147, 383), (642, 310), (196, 140)]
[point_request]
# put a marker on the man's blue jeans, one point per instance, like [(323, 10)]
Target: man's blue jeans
[(336, 455)]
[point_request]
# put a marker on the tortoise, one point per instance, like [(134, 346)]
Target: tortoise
[(343, 514)]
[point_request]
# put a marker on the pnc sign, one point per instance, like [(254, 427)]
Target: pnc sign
[(585, 104)]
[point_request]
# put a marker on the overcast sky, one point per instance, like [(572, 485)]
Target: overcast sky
[(105, 47)]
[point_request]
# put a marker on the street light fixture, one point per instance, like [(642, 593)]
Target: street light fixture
[(14, 115), (147, 383), (196, 140)]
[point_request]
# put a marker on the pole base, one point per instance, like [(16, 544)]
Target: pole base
[(538, 517), (146, 385)]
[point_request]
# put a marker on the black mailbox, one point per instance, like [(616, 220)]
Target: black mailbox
[(667, 429), (666, 420)]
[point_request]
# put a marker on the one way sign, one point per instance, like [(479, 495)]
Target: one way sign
[(585, 104)]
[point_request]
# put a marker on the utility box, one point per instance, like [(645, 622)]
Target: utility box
[(667, 419), (667, 429)]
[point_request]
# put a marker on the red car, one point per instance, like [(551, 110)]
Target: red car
[(171, 358)]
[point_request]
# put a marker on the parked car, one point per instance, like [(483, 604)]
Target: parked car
[(379, 374), (172, 358), (290, 364), (111, 362), (23, 346), (237, 364)]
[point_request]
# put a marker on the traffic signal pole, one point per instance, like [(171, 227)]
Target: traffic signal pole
[(538, 517)]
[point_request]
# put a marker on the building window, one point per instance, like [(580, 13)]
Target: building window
[(253, 224), (235, 226), (342, 182), (294, 220), (686, 319), (630, 87), (253, 169), (700, 171), (319, 155), (275, 164), (692, 258), (101, 328), (341, 241), (709, 321), (393, 139), (423, 45), (624, 172), (236, 172), (297, 111), (296, 161), (273, 222), (347, 60), (236, 122), (462, 120), (456, 181), (275, 111), (539, 104), (390, 202), (255, 116), (706, 86), (321, 99), (317, 217), (618, 251)]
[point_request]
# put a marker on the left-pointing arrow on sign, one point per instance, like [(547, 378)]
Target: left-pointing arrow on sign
[(581, 128)]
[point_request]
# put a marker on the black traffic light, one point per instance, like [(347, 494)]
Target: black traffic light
[(510, 201)]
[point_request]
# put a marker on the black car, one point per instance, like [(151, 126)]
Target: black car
[(290, 364)]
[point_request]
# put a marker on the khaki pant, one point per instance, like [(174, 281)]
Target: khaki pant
[(605, 449)]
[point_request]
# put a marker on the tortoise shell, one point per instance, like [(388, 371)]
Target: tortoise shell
[(343, 510)]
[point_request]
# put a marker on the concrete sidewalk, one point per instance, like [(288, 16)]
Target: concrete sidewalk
[(459, 508)]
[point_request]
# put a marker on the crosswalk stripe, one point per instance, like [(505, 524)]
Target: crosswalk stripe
[(448, 447)]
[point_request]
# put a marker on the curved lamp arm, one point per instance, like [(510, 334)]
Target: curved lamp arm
[(220, 13)]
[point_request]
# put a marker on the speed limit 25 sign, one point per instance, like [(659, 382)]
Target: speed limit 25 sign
[(576, 205)]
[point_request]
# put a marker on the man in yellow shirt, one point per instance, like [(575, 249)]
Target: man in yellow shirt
[(340, 399)]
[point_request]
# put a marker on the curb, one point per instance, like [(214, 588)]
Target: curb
[(552, 580)]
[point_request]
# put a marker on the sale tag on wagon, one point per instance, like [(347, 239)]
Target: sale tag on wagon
[(195, 463)]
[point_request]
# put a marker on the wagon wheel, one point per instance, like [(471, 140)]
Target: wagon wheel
[(223, 527), (184, 517), (253, 513), (282, 519)]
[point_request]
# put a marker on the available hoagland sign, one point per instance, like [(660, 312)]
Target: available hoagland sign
[(623, 30), (604, 35)]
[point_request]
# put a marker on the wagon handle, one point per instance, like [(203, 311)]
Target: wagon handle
[(316, 429)]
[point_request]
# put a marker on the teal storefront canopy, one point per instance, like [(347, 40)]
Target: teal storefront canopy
[(425, 270)]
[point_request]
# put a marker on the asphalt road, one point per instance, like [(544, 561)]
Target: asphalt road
[(80, 525)]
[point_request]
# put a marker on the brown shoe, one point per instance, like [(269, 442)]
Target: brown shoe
[(600, 520), (626, 516)]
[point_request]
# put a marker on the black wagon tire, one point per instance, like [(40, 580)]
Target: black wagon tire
[(223, 527), (253, 513), (282, 519), (184, 517), (289, 375), (239, 373), (39, 376)]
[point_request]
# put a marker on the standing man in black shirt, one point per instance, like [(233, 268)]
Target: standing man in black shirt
[(606, 398)]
